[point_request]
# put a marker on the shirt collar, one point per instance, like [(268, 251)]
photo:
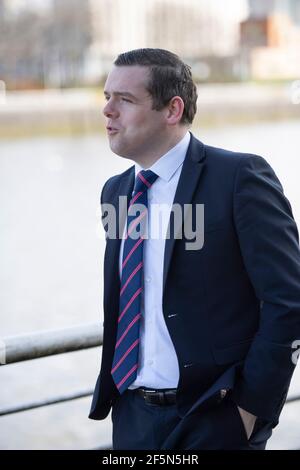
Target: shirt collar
[(167, 164)]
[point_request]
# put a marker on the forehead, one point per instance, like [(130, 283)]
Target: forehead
[(131, 78)]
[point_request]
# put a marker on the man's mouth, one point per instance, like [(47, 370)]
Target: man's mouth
[(111, 130)]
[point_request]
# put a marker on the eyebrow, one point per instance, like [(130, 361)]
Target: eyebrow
[(121, 93)]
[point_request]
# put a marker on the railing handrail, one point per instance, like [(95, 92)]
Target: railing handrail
[(46, 402), (50, 342)]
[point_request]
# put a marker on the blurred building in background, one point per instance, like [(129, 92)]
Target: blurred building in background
[(43, 43), (270, 39), (61, 43), (69, 43), (201, 32)]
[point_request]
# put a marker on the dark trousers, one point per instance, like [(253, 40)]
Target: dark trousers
[(138, 425)]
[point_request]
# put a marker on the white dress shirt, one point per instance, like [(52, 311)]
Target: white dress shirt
[(158, 364)]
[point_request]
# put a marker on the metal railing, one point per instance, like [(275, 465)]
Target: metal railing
[(48, 343), (40, 344)]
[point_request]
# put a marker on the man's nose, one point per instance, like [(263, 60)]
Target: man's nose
[(110, 110)]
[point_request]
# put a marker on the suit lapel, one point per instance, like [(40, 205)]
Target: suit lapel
[(191, 171), (113, 244)]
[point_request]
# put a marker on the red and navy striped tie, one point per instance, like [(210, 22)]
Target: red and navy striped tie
[(125, 361)]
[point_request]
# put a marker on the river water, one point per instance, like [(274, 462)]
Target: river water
[(51, 251)]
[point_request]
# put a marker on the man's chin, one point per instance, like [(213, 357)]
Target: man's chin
[(120, 152)]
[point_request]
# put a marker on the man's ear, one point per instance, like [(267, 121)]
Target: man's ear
[(175, 110)]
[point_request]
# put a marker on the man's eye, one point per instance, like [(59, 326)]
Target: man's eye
[(125, 99)]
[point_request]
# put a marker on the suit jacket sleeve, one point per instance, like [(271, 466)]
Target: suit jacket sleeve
[(269, 244)]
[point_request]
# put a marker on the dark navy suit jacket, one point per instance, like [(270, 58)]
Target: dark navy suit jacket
[(232, 308)]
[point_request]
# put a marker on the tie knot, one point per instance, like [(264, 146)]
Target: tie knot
[(144, 180)]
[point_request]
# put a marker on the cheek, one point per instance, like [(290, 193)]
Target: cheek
[(143, 117), (135, 120), (141, 124), (147, 124), (137, 127)]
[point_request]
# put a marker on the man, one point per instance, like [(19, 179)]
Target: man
[(198, 340)]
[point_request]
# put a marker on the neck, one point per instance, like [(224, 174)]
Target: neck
[(146, 161)]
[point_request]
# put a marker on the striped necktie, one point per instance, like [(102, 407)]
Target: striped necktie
[(125, 361)]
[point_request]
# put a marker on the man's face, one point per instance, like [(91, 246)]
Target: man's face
[(134, 129)]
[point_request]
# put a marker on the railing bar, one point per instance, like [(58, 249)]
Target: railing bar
[(48, 343), (41, 403), (293, 399)]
